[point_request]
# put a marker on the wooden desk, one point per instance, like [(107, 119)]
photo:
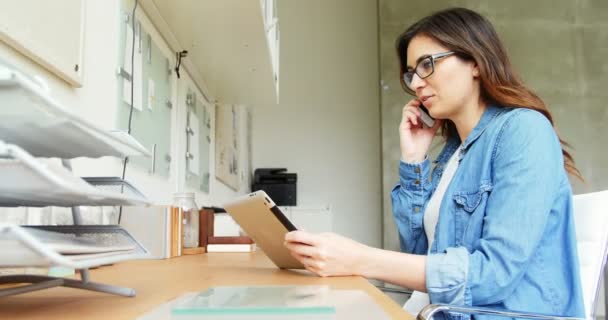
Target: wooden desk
[(159, 281)]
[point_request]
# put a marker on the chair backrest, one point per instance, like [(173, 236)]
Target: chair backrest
[(591, 219)]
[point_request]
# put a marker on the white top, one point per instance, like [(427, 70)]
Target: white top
[(419, 300)]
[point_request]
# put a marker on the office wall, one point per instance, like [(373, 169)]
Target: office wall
[(559, 47), (96, 101), (326, 126)]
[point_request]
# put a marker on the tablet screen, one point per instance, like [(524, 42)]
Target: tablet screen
[(279, 214)]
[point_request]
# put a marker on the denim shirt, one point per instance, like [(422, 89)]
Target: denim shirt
[(505, 237)]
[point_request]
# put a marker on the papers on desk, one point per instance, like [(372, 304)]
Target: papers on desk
[(270, 302)]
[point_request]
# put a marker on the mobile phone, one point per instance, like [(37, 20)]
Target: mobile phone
[(425, 117)]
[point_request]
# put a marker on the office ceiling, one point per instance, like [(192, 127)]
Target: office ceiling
[(226, 43)]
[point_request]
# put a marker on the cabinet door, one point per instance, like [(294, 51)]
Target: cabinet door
[(48, 32)]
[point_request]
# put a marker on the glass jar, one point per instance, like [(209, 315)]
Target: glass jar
[(184, 202)]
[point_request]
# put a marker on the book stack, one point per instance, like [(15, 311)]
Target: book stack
[(226, 243), (177, 248), (162, 232), (176, 232), (230, 244)]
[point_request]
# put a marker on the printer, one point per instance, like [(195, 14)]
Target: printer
[(277, 183)]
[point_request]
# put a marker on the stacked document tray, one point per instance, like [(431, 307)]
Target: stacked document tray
[(33, 124), (33, 128), (29, 182), (76, 247), (31, 119)]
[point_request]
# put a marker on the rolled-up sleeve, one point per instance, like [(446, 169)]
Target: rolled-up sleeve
[(446, 277), (409, 198), (526, 158)]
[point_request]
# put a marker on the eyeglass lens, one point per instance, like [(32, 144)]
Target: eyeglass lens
[(424, 68)]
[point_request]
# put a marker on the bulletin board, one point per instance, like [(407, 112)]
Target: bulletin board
[(227, 145), (198, 141), (48, 32), (151, 119)]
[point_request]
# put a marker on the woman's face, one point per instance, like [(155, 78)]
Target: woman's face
[(452, 85)]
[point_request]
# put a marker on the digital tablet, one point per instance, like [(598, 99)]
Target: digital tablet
[(264, 222)]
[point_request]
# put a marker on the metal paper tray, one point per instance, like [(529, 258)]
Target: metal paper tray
[(26, 181), (114, 185), (20, 247), (32, 119)]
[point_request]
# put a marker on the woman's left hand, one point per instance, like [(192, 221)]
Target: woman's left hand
[(327, 254)]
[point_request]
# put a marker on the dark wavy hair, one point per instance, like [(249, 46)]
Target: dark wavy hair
[(473, 38)]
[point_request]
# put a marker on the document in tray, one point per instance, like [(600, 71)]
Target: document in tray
[(81, 256), (28, 181), (71, 244), (77, 247), (50, 185)]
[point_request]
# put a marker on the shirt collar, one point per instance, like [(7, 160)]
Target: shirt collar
[(489, 114), (453, 143)]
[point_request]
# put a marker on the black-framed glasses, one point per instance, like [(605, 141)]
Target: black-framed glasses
[(424, 68)]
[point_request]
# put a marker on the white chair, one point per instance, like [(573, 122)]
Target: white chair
[(591, 219)]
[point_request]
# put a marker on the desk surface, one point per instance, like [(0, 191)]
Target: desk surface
[(159, 281)]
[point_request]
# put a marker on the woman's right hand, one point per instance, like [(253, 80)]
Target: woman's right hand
[(415, 138)]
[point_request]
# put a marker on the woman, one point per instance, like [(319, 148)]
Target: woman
[(492, 224)]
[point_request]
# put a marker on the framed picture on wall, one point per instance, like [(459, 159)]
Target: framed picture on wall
[(227, 166)]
